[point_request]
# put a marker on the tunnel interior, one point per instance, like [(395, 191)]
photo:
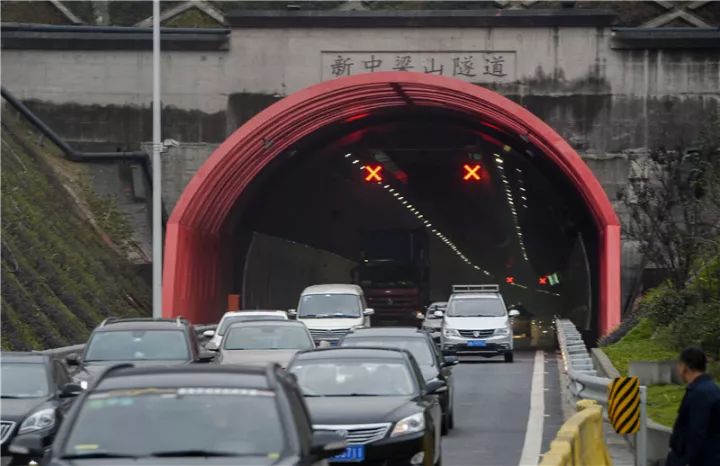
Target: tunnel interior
[(406, 197)]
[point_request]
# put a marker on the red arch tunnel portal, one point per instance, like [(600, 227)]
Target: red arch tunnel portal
[(202, 232)]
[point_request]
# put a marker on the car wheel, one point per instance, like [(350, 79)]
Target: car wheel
[(445, 427), (451, 420), (509, 357), (19, 460)]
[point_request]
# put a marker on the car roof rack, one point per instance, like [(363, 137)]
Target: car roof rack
[(475, 288), (179, 320)]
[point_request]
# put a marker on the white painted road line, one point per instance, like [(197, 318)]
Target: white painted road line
[(534, 432)]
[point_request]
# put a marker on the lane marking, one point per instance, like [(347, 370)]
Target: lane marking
[(534, 431)]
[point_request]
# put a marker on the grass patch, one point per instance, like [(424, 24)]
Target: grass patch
[(640, 344), (663, 403)]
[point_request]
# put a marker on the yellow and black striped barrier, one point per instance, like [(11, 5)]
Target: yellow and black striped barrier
[(624, 404)]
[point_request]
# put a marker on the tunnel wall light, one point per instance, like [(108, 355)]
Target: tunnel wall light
[(511, 202)]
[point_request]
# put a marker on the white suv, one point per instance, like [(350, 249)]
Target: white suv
[(476, 321), (332, 311)]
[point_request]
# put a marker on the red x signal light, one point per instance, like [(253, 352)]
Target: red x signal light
[(472, 172), (373, 173), (543, 281), (510, 280)]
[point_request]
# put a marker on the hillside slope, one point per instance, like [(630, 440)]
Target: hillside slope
[(62, 269)]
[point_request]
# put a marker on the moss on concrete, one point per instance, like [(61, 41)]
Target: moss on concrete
[(192, 18), (31, 12), (62, 268)]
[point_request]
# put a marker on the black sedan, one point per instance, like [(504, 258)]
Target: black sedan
[(433, 365), (375, 398), (192, 415), (36, 394)]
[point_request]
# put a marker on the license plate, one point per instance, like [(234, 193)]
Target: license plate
[(477, 343), (352, 454)]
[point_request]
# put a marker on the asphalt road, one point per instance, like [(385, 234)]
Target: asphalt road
[(492, 405)]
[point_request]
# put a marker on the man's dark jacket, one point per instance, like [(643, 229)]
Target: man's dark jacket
[(695, 438)]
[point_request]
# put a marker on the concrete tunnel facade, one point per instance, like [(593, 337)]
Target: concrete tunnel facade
[(198, 241)]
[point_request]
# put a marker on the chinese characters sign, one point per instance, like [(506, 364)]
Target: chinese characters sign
[(477, 67)]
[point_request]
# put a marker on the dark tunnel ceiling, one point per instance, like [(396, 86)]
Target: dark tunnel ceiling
[(315, 195)]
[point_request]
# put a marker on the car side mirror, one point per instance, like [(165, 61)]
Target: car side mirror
[(292, 312), (327, 444), (208, 333), (212, 346), (439, 314), (514, 313), (70, 390), (206, 356), (72, 359), (450, 360), (435, 387), (27, 445), (368, 312)]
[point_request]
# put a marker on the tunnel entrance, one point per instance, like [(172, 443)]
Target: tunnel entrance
[(405, 184)]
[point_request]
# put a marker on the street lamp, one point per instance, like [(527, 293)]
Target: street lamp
[(157, 147)]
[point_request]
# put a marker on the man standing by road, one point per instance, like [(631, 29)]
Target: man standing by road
[(695, 438)]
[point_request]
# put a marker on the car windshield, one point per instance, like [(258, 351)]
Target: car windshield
[(329, 306), (476, 307), (228, 321), (24, 380), (267, 337), (353, 377), (219, 421), (418, 347), (132, 345)]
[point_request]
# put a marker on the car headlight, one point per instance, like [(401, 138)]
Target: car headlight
[(450, 332), (409, 425), (84, 384), (502, 331), (39, 420)]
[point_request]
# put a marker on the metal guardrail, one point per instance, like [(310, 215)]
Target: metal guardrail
[(584, 382), (64, 350)]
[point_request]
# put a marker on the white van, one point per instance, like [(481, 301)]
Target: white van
[(476, 321), (332, 311)]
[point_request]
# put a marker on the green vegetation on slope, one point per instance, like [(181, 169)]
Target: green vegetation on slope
[(60, 274), (663, 403), (639, 344)]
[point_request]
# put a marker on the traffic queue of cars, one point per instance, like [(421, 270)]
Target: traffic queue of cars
[(147, 391)]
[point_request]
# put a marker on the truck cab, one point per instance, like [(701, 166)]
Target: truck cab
[(394, 274), (332, 311), (477, 322)]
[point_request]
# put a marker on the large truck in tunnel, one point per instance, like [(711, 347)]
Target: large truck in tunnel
[(394, 274)]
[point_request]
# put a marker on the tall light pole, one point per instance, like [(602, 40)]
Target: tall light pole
[(157, 228)]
